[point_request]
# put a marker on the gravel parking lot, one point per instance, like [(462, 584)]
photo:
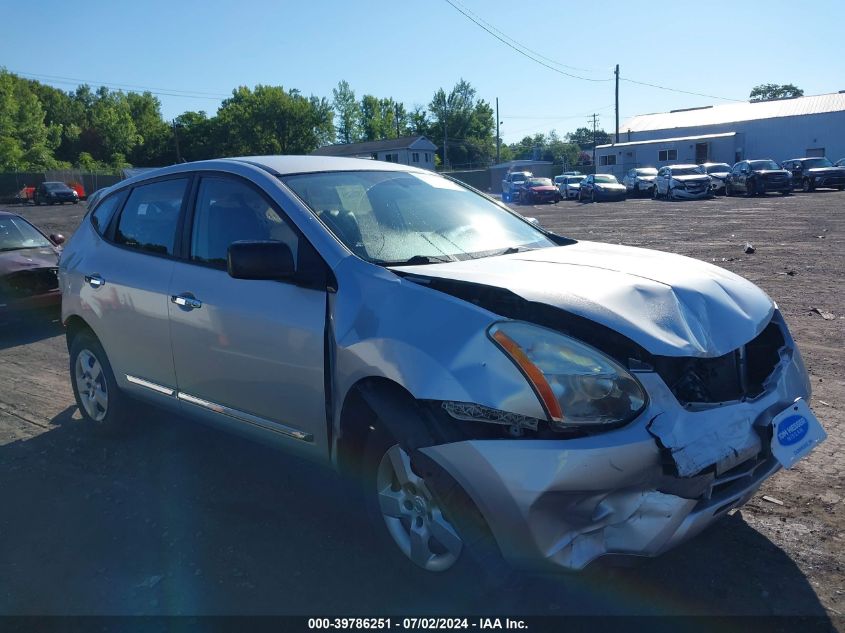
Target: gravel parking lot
[(177, 518)]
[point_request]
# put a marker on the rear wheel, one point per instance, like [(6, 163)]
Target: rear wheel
[(101, 402), (728, 191)]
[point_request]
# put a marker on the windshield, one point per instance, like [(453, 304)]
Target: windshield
[(575, 179), (606, 178), (518, 178), (56, 186), (17, 233), (390, 217), (815, 163), (763, 164), (647, 171), (539, 182), (717, 169), (685, 171)]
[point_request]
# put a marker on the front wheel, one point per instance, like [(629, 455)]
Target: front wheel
[(442, 535), (101, 402), (750, 187), (806, 185), (593, 195)]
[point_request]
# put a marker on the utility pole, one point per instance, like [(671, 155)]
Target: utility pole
[(176, 140), (617, 103), (595, 116), (444, 137), (498, 140), (396, 116)]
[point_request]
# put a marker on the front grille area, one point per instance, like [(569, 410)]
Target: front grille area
[(737, 375), (29, 283)]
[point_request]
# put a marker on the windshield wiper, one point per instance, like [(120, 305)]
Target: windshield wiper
[(416, 260)]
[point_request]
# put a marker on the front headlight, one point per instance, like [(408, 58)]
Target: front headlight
[(577, 384)]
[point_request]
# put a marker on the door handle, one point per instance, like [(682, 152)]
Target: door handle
[(186, 302), (95, 281)]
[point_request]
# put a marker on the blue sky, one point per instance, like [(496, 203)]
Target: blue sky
[(408, 50)]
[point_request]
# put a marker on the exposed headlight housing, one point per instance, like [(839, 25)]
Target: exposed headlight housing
[(577, 384)]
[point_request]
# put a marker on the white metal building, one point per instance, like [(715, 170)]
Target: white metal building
[(416, 151), (782, 129)]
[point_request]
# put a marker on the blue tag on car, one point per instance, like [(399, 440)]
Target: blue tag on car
[(796, 432)]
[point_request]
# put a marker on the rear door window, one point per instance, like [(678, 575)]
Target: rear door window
[(151, 215)]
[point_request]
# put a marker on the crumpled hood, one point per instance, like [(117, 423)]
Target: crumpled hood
[(26, 259), (669, 304), (691, 178)]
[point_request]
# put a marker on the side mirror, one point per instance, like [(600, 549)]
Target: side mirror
[(57, 238), (260, 260)]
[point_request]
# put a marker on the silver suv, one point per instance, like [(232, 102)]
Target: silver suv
[(503, 393)]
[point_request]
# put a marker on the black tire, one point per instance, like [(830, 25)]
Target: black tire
[(593, 196), (116, 417), (840, 188), (785, 193), (750, 186), (806, 185), (37, 202), (728, 190), (478, 568)]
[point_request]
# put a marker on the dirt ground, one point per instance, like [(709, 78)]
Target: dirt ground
[(179, 519)]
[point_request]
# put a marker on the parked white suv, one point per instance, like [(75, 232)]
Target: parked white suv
[(681, 182)]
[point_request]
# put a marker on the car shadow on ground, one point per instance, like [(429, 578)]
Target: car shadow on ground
[(178, 518), (22, 329)]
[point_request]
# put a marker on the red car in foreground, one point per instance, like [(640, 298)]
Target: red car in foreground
[(29, 263)]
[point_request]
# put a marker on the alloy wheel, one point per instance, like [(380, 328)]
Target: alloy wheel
[(91, 385), (412, 515)]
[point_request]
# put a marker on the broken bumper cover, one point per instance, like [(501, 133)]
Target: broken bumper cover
[(638, 490)]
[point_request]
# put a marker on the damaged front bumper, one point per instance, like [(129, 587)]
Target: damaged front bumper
[(638, 490)]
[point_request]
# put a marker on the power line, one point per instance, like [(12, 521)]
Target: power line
[(686, 92), (556, 118), (519, 48), (157, 91), (523, 46)]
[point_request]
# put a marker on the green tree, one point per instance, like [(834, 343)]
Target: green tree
[(383, 118), (154, 147), (348, 113), (25, 141), (468, 124), (583, 137), (196, 136), (772, 92), (271, 120)]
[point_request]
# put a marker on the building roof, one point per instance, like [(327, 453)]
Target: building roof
[(734, 112), (702, 137), (368, 147)]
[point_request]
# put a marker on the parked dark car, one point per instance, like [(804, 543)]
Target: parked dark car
[(54, 193), (718, 173), (754, 177), (600, 187), (29, 262), (811, 173), (536, 190)]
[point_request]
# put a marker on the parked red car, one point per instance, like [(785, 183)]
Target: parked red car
[(29, 263), (535, 190)]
